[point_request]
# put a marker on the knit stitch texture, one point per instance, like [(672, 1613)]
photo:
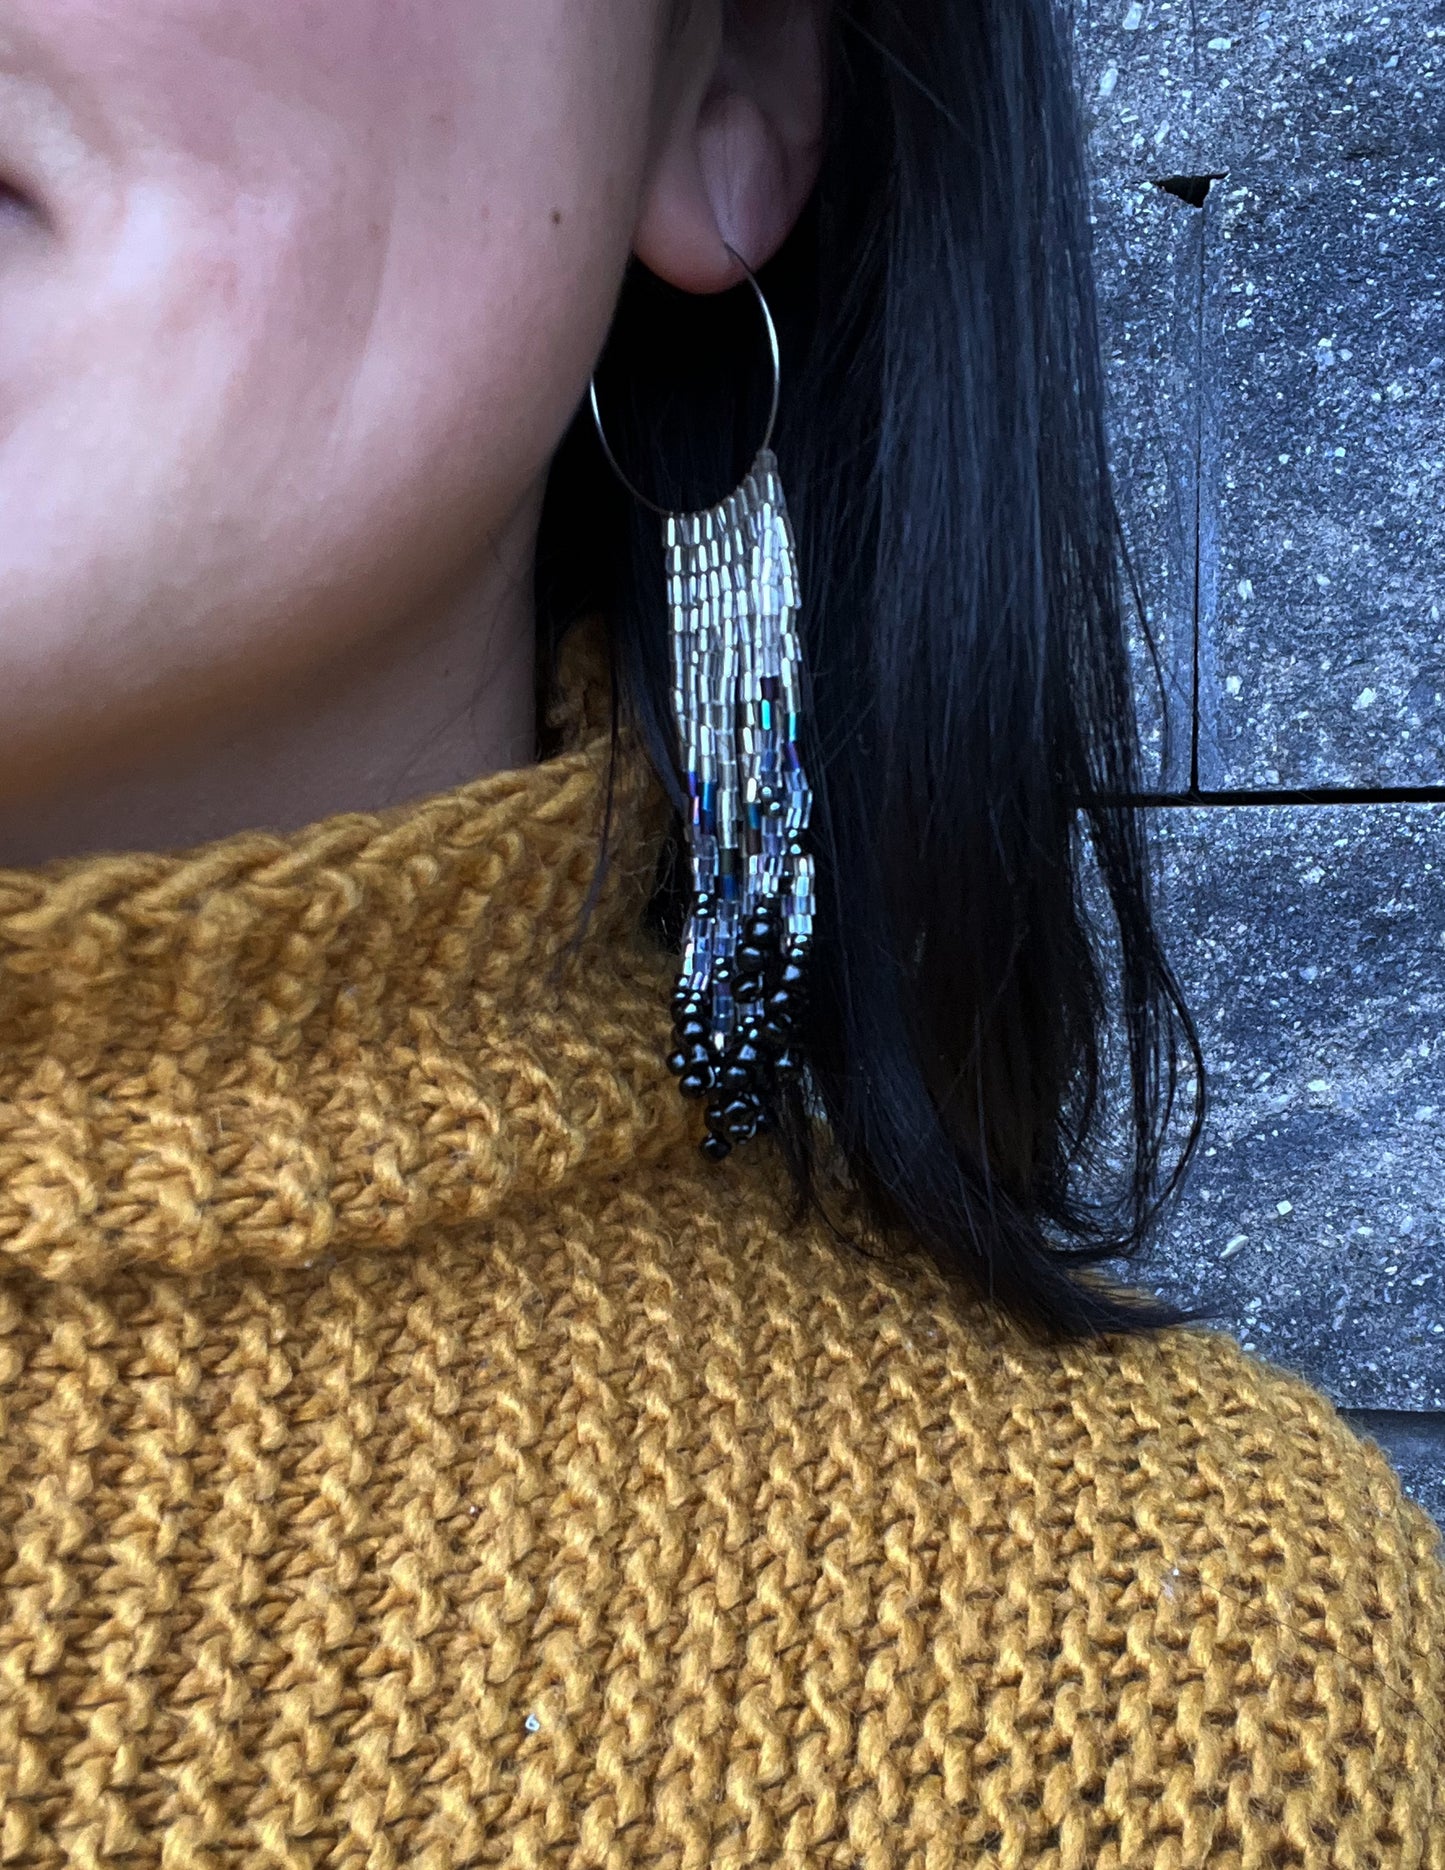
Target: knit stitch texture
[(414, 1454)]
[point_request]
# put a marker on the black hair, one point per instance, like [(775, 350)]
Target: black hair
[(985, 883)]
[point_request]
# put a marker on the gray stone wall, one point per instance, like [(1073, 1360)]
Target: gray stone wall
[(1269, 202)]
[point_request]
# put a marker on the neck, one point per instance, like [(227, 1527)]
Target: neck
[(434, 702)]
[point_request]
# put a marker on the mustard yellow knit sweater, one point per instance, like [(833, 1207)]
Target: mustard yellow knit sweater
[(414, 1454)]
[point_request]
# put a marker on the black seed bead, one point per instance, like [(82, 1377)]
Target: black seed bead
[(775, 1034), (697, 1082), (745, 1054), (678, 1062), (691, 1031), (765, 1121), (716, 1147), (748, 958), (792, 977), (760, 929), (782, 1003), (741, 1119), (786, 1065), (735, 1078), (747, 986)]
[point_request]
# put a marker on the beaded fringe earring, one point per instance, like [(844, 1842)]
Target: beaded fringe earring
[(732, 592)]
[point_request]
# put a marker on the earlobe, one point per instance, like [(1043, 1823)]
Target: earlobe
[(740, 155), (746, 173)]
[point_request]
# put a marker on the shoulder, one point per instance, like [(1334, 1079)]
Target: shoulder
[(1142, 1598)]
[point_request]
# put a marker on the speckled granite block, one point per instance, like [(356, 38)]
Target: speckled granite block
[(1295, 86), (1311, 944), (1312, 941), (1322, 651), (1148, 258), (1137, 85), (1171, 87)]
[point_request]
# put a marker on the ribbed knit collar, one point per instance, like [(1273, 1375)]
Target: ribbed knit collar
[(279, 1047)]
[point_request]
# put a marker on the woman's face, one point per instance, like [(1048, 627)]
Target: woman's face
[(296, 300)]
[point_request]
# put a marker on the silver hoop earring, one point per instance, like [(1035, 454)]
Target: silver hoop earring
[(733, 601)]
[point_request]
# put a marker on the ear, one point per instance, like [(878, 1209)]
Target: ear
[(737, 150)]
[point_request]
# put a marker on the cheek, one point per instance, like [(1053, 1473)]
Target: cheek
[(311, 335), (497, 254), (418, 212)]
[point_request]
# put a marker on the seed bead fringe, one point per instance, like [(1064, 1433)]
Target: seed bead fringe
[(732, 581)]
